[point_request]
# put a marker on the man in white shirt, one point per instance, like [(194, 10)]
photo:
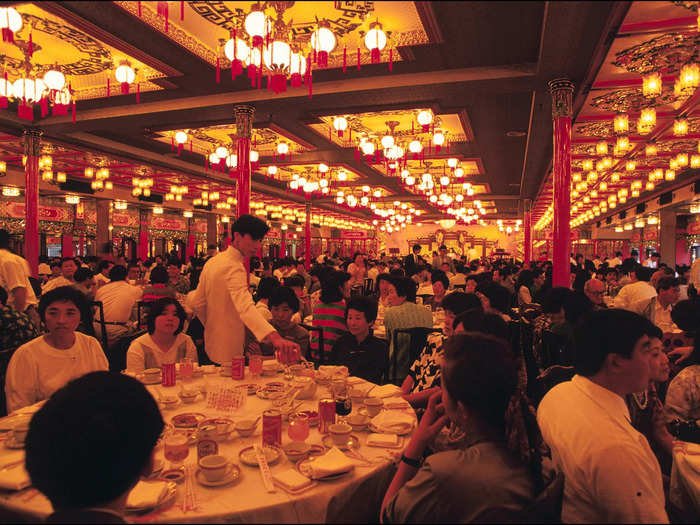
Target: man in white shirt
[(611, 473), (223, 303), (102, 275), (658, 309), (14, 277), (653, 261), (118, 299), (615, 261), (638, 290), (68, 268)]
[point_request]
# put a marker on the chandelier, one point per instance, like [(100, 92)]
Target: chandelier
[(266, 45)]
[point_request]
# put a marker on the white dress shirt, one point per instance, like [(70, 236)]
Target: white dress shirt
[(54, 283), (611, 474), (633, 293), (223, 303), (14, 273), (695, 274), (118, 299)]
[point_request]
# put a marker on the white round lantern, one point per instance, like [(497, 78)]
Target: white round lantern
[(221, 152), (438, 139), (232, 161), (272, 170), (340, 124), (276, 55), (282, 148), (254, 156), (425, 118), (256, 24), (323, 168), (298, 64), (452, 162), (54, 80), (214, 158), (124, 74), (180, 137), (6, 89), (241, 49), (323, 39), (387, 141), (415, 146), (10, 19), (368, 148), (375, 38)]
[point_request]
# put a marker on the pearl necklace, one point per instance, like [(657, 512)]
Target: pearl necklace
[(641, 399)]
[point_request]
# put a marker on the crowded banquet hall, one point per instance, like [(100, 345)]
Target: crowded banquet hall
[(350, 262)]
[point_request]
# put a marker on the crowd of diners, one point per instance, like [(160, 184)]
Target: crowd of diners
[(575, 412)]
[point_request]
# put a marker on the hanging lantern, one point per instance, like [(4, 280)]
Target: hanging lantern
[(323, 168), (452, 162), (31, 90), (425, 118), (630, 165), (615, 177), (459, 172), (670, 175), (680, 127), (10, 23), (387, 141), (257, 25), (650, 150), (342, 176), (647, 121), (214, 158), (340, 124), (621, 123), (254, 156), (410, 180), (415, 147), (232, 161), (297, 69), (651, 85), (375, 41), (601, 148), (689, 79), (368, 148), (125, 75), (444, 180), (623, 143), (438, 141), (682, 159), (221, 152), (276, 57), (54, 80), (695, 161), (238, 53), (323, 42)]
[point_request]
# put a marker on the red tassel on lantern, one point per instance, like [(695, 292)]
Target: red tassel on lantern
[(279, 83), (358, 58), (375, 55), (179, 149), (391, 59), (345, 60), (30, 49), (162, 9), (125, 88), (3, 102), (7, 35), (59, 110), (139, 6), (73, 104), (206, 163), (172, 144), (322, 59), (138, 92), (190, 146), (25, 111), (252, 74), (108, 90), (295, 80), (182, 9), (236, 68), (218, 70)]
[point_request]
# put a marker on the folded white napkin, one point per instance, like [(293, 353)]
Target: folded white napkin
[(392, 421), (385, 391), (332, 462), (11, 457), (383, 440), (14, 478), (146, 494), (291, 479)]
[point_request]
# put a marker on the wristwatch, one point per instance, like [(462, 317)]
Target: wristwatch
[(415, 463)]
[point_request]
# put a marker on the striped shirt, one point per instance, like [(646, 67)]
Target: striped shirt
[(331, 318)]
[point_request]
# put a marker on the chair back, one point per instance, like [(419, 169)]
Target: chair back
[(550, 378), (321, 350), (356, 290), (418, 337), (368, 287), (101, 319), (143, 308)]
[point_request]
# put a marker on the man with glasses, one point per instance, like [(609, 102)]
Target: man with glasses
[(595, 290)]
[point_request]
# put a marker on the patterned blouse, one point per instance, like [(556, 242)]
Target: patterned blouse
[(683, 396), (15, 329), (425, 371)]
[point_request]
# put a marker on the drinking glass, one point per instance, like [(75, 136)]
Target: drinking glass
[(343, 402), (176, 449), (186, 368), (298, 429), (255, 365)]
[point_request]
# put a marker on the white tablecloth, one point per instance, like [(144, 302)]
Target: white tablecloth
[(352, 498), (684, 491)]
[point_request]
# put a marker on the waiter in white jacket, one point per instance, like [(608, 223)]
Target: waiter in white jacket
[(223, 302)]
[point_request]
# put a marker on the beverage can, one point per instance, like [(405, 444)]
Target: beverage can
[(326, 414), (238, 368), (272, 428), (168, 374)]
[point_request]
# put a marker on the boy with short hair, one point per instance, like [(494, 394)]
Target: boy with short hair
[(365, 356), (283, 305)]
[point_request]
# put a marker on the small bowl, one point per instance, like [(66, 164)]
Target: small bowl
[(188, 396), (169, 401), (296, 450), (358, 422), (245, 427), (374, 405)]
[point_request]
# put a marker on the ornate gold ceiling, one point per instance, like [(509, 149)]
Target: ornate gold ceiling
[(206, 23), (86, 61)]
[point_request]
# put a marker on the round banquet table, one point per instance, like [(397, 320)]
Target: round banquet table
[(354, 497)]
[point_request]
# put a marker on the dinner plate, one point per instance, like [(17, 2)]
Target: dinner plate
[(353, 442), (187, 419), (304, 469), (233, 473), (168, 498), (247, 456)]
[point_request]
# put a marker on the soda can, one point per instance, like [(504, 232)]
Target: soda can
[(272, 428), (167, 372), (238, 368), (326, 415)]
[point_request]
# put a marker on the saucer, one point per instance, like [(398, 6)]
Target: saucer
[(233, 473), (10, 442), (353, 442), (247, 456)]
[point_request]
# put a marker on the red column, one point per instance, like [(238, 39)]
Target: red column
[(244, 124), (67, 245), (561, 91), (191, 242), (143, 235), (307, 237), (283, 244), (32, 150), (527, 234)]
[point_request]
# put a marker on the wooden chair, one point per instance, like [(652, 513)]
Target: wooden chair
[(144, 306), (101, 320), (418, 337), (117, 359)]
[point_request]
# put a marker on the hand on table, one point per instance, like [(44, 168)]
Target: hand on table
[(430, 425)]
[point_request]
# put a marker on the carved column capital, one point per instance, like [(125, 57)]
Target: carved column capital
[(561, 90)]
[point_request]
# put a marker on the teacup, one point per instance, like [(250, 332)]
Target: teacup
[(358, 421), (374, 405), (188, 396), (214, 467), (296, 450), (340, 433), (151, 374), (169, 400), (245, 427), (19, 431)]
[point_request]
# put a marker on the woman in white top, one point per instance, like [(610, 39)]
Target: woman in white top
[(263, 294), (164, 342), (357, 270), (526, 280), (43, 365)]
